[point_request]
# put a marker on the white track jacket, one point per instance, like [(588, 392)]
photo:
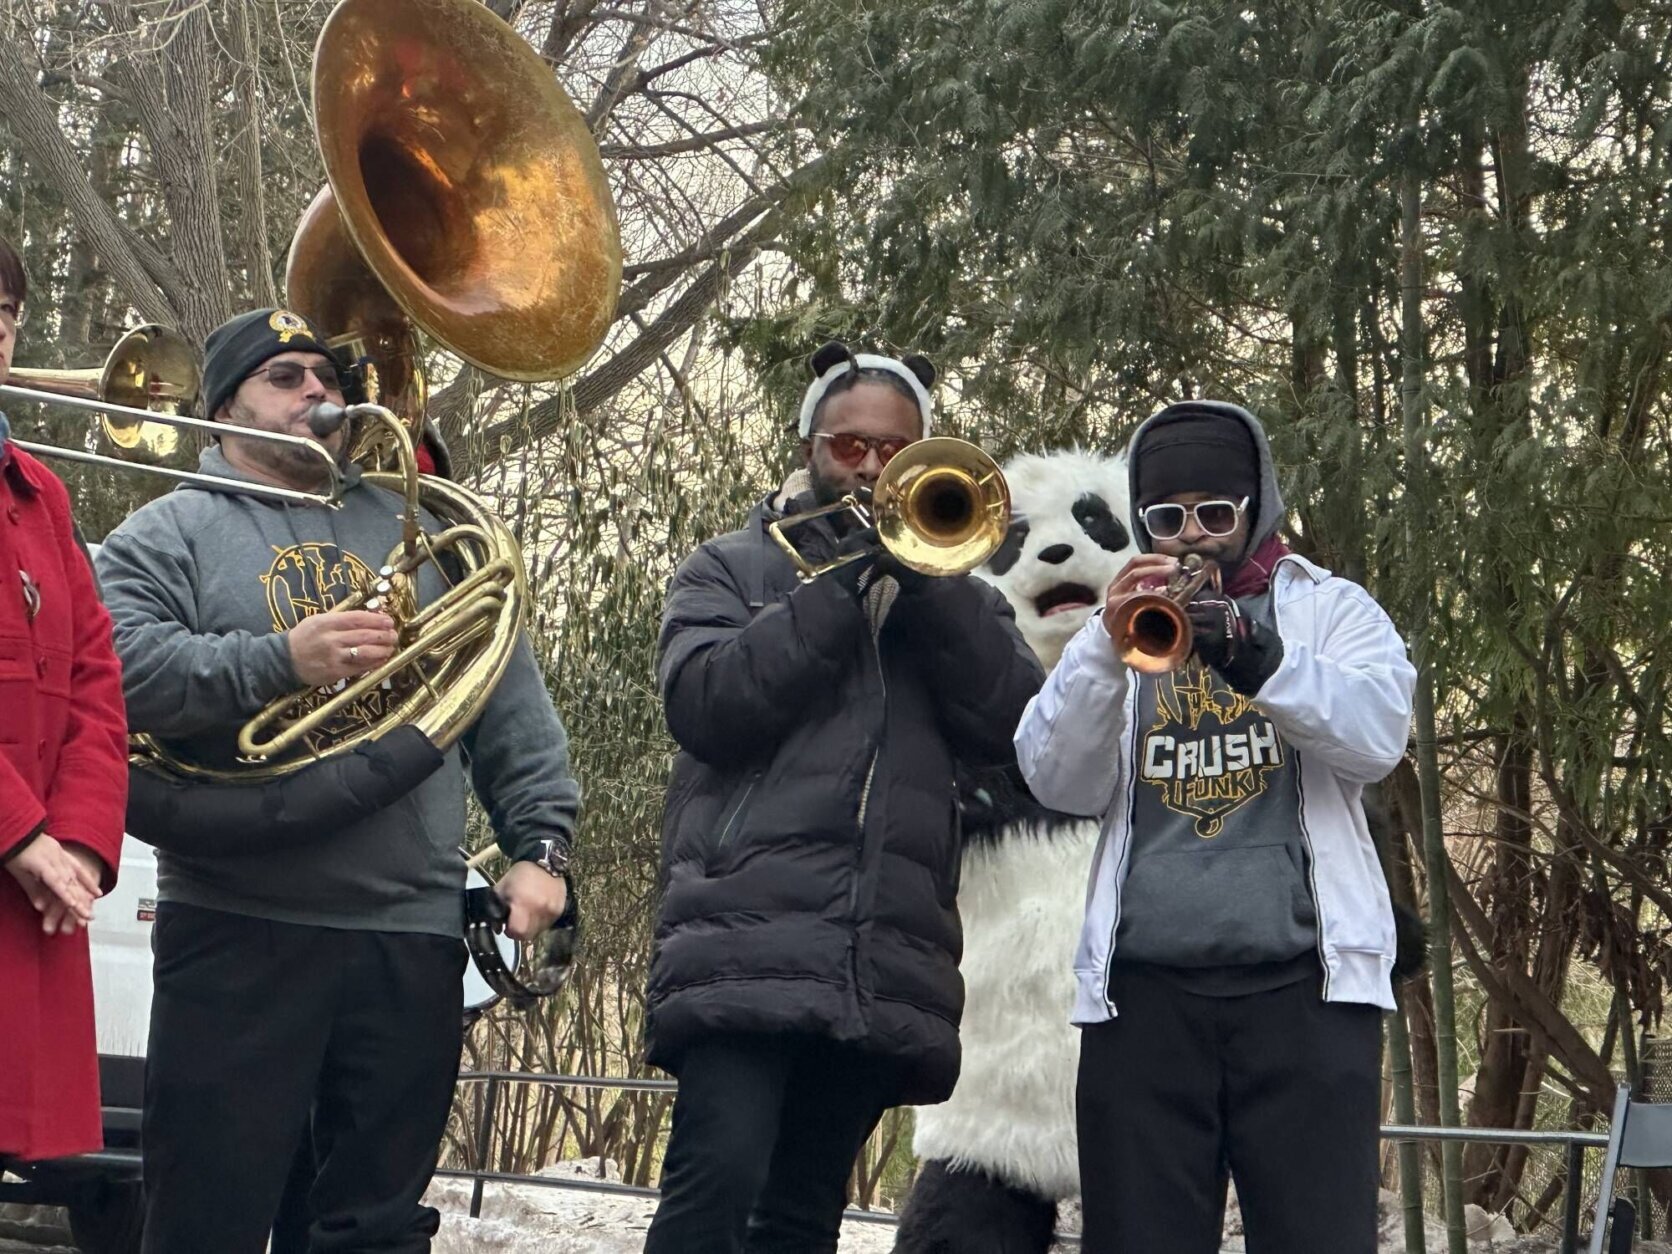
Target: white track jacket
[(1341, 699)]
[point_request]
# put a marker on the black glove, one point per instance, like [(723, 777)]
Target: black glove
[(1411, 943), (1239, 648), (909, 580), (857, 575)]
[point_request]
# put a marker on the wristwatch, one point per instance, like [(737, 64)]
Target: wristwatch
[(552, 858)]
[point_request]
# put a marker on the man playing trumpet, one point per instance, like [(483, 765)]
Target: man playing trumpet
[(307, 976), (1239, 939)]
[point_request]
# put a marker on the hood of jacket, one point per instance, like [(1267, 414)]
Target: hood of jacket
[(1271, 509)]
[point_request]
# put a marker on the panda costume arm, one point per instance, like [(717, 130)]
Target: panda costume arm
[(1069, 741), (734, 682)]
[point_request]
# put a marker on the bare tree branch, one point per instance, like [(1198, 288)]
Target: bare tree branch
[(692, 143), (252, 182), (131, 262), (176, 122)]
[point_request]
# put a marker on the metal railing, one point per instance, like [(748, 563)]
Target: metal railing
[(1573, 1143)]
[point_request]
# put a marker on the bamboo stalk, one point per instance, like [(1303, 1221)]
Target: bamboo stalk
[(1419, 538)]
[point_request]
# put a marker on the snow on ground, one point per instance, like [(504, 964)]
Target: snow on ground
[(530, 1219)]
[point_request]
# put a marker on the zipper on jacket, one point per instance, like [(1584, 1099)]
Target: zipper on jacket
[(1300, 815), (865, 791)]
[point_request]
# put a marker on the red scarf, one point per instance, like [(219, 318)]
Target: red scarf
[(1253, 576)]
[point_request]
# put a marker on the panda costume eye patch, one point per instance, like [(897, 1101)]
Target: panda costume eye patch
[(1099, 522), (1007, 554)]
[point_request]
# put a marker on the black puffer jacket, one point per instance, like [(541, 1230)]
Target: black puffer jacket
[(810, 847)]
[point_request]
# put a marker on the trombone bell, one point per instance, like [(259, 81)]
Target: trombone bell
[(151, 368), (940, 507)]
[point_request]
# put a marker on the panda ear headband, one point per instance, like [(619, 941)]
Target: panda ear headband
[(837, 361)]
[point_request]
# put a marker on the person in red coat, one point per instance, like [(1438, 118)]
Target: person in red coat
[(63, 790)]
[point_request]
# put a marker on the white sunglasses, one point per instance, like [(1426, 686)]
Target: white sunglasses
[(1215, 518)]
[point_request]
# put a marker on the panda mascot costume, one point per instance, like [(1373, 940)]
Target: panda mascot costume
[(1000, 1154)]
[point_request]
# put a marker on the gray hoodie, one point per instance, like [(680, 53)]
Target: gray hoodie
[(1218, 877), (200, 585)]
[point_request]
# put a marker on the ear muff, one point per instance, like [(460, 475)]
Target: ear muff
[(922, 367), (832, 354)]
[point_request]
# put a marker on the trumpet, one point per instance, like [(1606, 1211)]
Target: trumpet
[(1151, 631), (940, 507)]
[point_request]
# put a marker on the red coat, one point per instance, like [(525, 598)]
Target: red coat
[(64, 762)]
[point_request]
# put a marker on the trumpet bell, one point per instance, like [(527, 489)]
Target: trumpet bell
[(469, 182), (1151, 633), (941, 506)]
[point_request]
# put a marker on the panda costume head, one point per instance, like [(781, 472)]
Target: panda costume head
[(1069, 536)]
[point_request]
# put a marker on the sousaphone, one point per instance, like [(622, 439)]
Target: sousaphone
[(467, 201)]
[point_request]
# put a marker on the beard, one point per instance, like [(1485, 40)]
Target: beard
[(287, 461), (825, 492)]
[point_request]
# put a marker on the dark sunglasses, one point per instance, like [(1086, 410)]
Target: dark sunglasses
[(287, 375), (850, 449), (1215, 518)]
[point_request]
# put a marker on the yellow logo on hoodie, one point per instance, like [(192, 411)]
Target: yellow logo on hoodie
[(311, 578), (1210, 749)]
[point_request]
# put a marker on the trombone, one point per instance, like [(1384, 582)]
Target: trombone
[(941, 507), (332, 496)]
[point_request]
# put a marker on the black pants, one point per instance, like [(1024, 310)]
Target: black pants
[(765, 1133), (251, 1021), (1279, 1089)]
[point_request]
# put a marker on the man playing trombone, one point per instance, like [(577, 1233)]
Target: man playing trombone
[(307, 976), (1239, 940), (805, 974)]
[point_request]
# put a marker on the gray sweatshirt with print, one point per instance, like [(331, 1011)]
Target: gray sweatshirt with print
[(201, 584), (1219, 872)]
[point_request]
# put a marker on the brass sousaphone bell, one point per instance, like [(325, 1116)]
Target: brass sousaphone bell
[(466, 199), (941, 507)]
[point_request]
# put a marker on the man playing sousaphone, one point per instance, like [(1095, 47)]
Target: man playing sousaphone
[(307, 974)]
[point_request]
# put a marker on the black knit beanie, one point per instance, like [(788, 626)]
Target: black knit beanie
[(237, 348), (1196, 448)]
